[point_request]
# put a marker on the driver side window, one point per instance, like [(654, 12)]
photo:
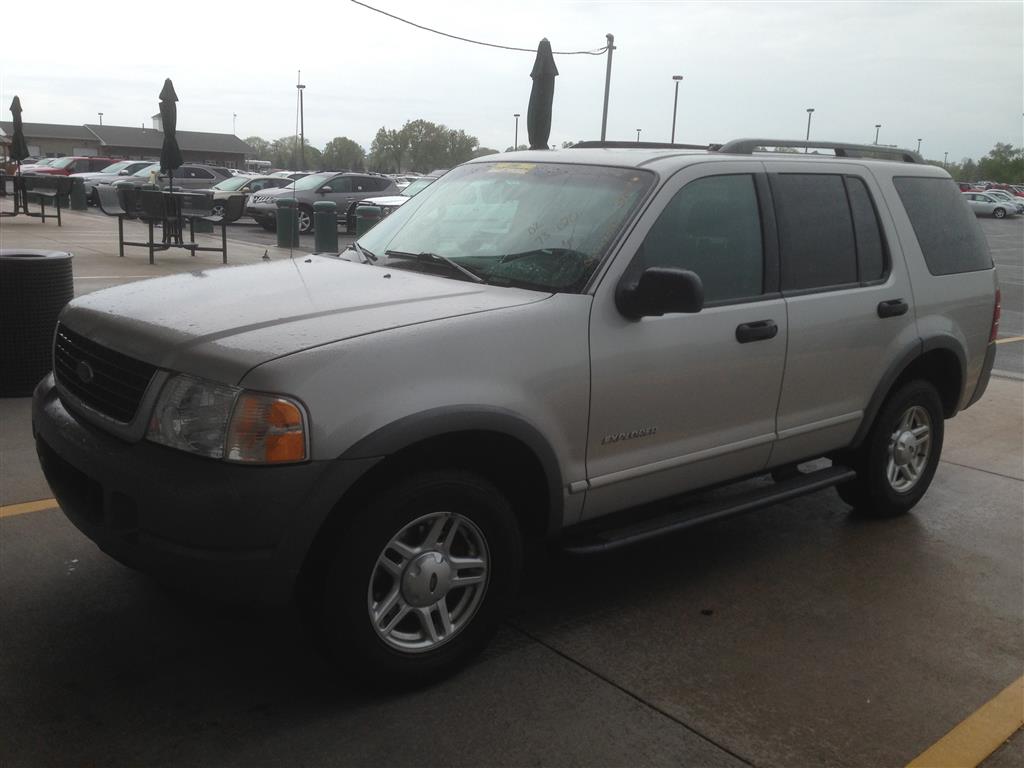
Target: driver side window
[(712, 227), (340, 184)]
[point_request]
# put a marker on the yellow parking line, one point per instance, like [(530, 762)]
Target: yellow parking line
[(1009, 339), (981, 734), (29, 506)]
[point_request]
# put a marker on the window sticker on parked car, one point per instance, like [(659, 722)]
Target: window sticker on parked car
[(512, 167)]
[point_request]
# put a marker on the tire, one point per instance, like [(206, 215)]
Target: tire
[(305, 220), (999, 213), (894, 467), (270, 226), (365, 578), (217, 209)]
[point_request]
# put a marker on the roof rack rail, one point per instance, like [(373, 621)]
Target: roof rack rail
[(635, 145), (872, 151)]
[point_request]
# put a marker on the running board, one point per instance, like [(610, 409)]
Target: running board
[(597, 541)]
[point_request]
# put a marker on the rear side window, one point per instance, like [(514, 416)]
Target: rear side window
[(815, 231), (950, 237), (868, 232), (712, 227)]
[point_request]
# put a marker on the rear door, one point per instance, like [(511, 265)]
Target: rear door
[(848, 299), (687, 400)]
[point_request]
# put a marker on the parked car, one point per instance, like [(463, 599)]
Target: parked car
[(293, 175), (389, 203), (243, 185), (65, 166), (529, 352), (341, 188), (1007, 197), (109, 174), (984, 204), (188, 176)]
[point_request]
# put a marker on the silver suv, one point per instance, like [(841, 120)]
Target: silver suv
[(343, 189), (516, 353)]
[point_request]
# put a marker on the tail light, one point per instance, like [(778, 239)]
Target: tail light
[(996, 312)]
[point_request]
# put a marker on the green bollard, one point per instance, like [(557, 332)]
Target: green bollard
[(287, 223), (325, 227), (78, 200), (367, 217)]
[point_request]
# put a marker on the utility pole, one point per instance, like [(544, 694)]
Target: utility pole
[(607, 85), (302, 126)]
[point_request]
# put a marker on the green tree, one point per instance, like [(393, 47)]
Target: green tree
[(482, 151), (388, 150), (260, 148), (520, 148), (284, 153), (1004, 163), (341, 153)]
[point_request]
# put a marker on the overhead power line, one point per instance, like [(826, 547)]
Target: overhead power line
[(596, 52)]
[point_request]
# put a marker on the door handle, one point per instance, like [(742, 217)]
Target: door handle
[(759, 331), (892, 308)]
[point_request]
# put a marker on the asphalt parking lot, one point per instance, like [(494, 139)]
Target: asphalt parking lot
[(797, 636)]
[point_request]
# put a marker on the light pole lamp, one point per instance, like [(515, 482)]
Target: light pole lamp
[(515, 144), (675, 106), (101, 117), (877, 127), (810, 111), (637, 135)]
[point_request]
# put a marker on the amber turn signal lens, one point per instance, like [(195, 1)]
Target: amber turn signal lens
[(266, 429)]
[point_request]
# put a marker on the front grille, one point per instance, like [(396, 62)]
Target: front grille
[(116, 384)]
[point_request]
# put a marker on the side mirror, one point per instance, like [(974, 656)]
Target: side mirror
[(661, 291), (124, 173), (325, 189)]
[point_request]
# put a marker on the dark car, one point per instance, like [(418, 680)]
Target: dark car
[(188, 176), (65, 166), (245, 186)]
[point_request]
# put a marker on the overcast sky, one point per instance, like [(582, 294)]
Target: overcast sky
[(949, 73)]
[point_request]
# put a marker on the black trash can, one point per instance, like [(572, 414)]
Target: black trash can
[(34, 287)]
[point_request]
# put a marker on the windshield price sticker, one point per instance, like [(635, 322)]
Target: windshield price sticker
[(520, 168)]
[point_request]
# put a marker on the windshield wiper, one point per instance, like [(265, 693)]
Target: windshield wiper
[(542, 252), (368, 258), (436, 258)]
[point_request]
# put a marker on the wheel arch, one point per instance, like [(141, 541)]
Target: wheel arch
[(940, 360)]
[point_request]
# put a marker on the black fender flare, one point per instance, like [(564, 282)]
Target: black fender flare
[(437, 422), (898, 366)]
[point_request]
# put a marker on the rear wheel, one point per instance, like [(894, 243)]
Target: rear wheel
[(898, 459), (420, 579), (217, 209), (267, 224), (999, 213), (305, 220)]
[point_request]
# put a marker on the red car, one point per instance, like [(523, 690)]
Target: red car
[(65, 166), (1007, 188)]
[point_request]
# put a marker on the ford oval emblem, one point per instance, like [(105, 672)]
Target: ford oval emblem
[(84, 372)]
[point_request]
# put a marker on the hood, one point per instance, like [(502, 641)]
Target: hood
[(221, 323), (275, 191)]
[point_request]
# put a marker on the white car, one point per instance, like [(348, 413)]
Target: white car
[(108, 175), (986, 204), (1006, 197), (389, 203)]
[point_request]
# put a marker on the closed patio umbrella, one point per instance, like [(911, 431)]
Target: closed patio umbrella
[(538, 115), (19, 149), (170, 153)]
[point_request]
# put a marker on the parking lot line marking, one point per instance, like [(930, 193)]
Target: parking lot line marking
[(981, 734), (29, 506), (1009, 339)]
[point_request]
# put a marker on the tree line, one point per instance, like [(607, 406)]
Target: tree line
[(419, 145), (1004, 164)]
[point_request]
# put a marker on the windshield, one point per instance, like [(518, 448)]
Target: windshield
[(416, 186), (118, 166), (544, 226), (142, 172), (235, 182), (311, 182)]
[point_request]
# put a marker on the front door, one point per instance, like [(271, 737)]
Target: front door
[(686, 400)]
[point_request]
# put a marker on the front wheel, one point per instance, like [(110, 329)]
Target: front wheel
[(420, 579), (898, 459), (305, 220), (999, 213)]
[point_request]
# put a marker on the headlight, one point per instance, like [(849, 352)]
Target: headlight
[(223, 422)]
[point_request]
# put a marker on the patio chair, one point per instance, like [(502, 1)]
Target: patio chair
[(110, 204)]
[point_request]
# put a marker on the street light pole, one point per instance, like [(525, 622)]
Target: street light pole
[(675, 106), (302, 125), (515, 144), (234, 123), (919, 146), (607, 85), (101, 117), (877, 127), (945, 159), (810, 111), (637, 135)]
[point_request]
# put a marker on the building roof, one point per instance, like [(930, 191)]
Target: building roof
[(51, 131), (150, 138)]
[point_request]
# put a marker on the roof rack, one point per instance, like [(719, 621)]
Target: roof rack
[(873, 151), (635, 145)]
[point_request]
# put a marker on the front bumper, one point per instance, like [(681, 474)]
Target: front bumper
[(236, 532)]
